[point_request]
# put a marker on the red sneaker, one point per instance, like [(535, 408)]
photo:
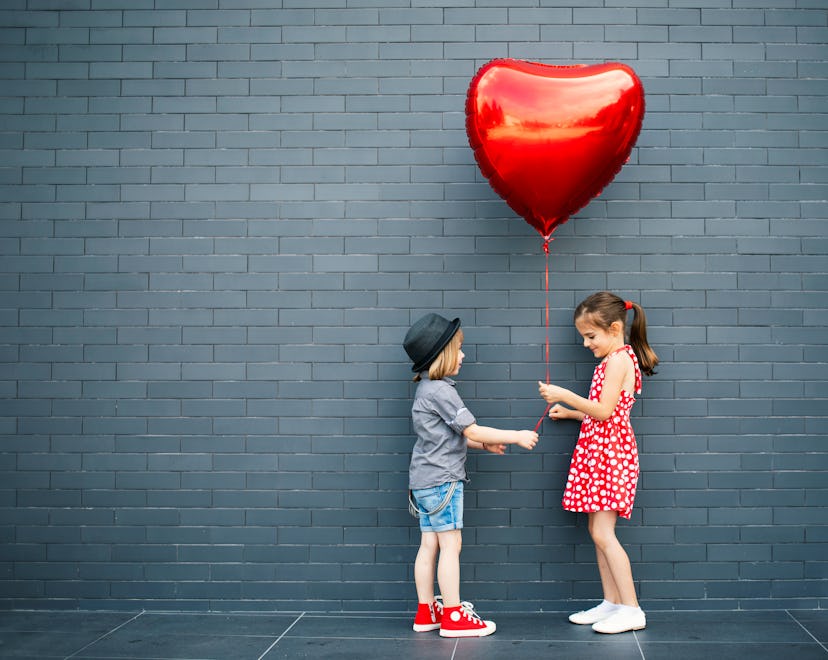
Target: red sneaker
[(461, 621), (428, 616)]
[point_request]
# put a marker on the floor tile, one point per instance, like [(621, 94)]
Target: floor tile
[(214, 624), (355, 626), (747, 627), (731, 651), (147, 644), (43, 644), (544, 627), (814, 621), (45, 635), (359, 649), (54, 621), (499, 649), (675, 635)]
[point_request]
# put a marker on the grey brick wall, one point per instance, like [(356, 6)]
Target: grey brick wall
[(220, 216)]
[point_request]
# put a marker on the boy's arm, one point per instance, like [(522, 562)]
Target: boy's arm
[(471, 444), (494, 448), (486, 435)]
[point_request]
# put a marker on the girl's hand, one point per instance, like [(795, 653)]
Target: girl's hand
[(551, 393), (527, 439), (559, 412), (495, 449)]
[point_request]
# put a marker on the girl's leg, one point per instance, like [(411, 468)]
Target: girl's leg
[(608, 606), (602, 531), (424, 567), (607, 583), (448, 568)]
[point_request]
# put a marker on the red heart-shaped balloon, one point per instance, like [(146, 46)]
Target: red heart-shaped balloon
[(549, 138)]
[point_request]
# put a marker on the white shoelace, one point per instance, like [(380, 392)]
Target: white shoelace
[(468, 610)]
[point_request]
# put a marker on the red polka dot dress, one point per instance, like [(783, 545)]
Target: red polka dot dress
[(604, 470)]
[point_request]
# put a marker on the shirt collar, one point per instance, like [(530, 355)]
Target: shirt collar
[(450, 381)]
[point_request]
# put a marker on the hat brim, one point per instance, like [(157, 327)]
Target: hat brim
[(445, 338)]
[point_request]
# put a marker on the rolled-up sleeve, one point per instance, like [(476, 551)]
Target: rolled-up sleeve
[(452, 410)]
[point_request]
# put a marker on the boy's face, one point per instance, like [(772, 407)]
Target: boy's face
[(460, 356)]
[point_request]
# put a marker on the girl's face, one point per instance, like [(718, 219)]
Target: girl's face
[(599, 340), (460, 356)]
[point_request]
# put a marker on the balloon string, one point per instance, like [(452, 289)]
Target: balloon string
[(546, 241), (546, 286), (543, 417)]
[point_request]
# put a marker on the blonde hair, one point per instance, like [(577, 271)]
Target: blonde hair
[(446, 361), (604, 308)]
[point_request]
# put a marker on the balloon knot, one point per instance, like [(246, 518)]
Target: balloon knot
[(546, 241)]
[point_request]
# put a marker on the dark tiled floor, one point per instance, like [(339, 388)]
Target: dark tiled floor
[(757, 635)]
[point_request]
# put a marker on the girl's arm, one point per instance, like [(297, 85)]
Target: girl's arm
[(610, 393), (486, 435)]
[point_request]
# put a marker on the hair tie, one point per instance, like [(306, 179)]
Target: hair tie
[(628, 304)]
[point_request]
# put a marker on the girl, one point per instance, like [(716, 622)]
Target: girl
[(604, 470), (445, 429)]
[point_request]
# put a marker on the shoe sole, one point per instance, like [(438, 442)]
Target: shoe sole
[(588, 622), (426, 627), (616, 632), (466, 633)]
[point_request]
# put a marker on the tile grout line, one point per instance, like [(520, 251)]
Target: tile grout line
[(287, 630), (638, 644), (106, 634), (788, 612), (454, 650)]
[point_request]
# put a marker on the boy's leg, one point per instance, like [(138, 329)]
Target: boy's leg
[(448, 568), (424, 567), (459, 619), (429, 611)]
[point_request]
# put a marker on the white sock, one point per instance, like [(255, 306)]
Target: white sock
[(605, 606), (628, 608)]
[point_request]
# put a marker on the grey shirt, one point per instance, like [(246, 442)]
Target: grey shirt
[(440, 417)]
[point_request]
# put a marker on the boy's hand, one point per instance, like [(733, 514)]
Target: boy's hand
[(495, 449), (527, 439)]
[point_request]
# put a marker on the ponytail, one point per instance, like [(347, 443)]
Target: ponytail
[(647, 359)]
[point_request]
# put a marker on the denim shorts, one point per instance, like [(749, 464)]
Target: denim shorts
[(428, 499)]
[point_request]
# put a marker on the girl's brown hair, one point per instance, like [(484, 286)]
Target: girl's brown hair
[(604, 308), (446, 360)]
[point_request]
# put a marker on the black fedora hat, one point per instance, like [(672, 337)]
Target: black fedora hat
[(427, 337)]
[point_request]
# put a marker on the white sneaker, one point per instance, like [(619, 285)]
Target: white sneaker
[(623, 619), (598, 613)]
